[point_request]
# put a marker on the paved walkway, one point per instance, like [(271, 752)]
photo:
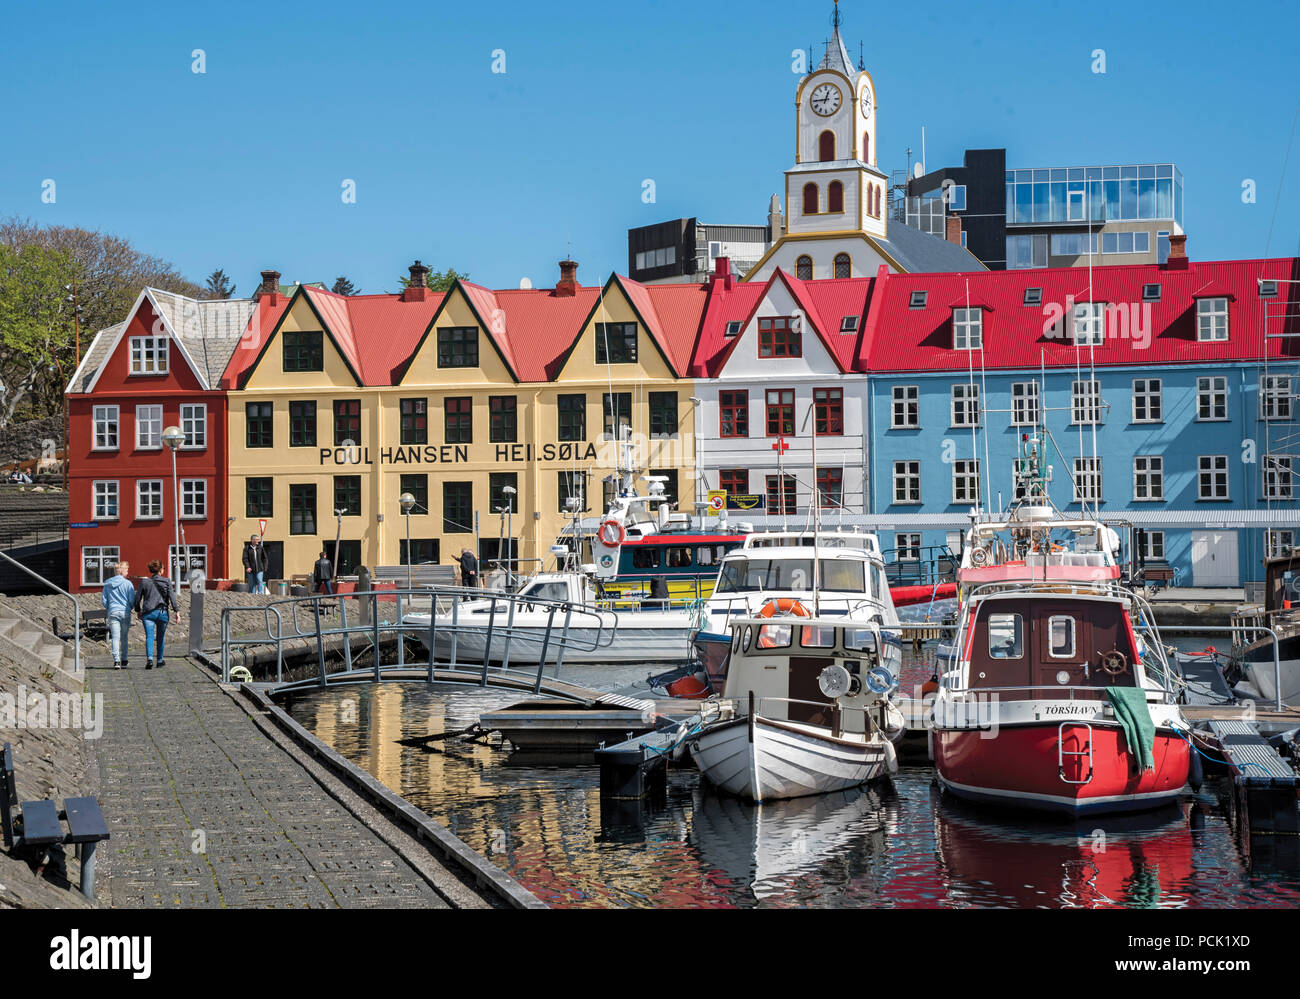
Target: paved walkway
[(179, 757)]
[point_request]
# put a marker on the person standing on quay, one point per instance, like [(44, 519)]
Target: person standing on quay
[(322, 575), (118, 598), (151, 603), (468, 568), (255, 565)]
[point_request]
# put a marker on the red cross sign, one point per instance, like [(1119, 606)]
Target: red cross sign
[(780, 447)]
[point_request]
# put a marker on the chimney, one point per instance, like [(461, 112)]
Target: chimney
[(270, 288), (952, 229), (722, 273), (417, 290), (567, 286), (1177, 252)]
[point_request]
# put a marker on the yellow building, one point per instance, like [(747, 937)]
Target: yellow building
[(344, 403)]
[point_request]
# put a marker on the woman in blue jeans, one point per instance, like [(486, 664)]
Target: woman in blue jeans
[(118, 598), (151, 603)]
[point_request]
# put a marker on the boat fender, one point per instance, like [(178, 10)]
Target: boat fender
[(611, 533), (894, 721), (690, 687), (930, 685), (891, 758), (1195, 771)]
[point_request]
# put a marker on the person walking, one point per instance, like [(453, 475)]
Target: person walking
[(151, 603), (322, 575), (118, 598), (468, 568), (255, 564)]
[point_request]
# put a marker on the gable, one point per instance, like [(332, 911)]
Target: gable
[(742, 360), (267, 372), (614, 306), (114, 372), (457, 310)]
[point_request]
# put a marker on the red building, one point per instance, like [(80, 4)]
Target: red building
[(162, 367)]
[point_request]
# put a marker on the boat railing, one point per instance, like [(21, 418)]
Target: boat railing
[(1162, 695), (319, 623), (836, 727), (928, 564), (750, 602)]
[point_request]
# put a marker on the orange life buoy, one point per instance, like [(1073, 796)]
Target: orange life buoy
[(611, 533), (785, 605)]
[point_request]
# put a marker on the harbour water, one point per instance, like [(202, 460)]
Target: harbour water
[(897, 843)]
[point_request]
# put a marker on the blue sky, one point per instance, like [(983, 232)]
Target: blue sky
[(501, 175)]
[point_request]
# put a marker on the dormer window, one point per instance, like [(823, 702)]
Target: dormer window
[(1033, 296), (1268, 289), (148, 355), (458, 347), (1089, 326), (616, 343), (304, 351), (967, 329), (1151, 293), (1211, 319), (918, 300), (733, 327), (849, 324)]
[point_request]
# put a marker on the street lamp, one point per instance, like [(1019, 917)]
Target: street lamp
[(509, 492), (406, 501), (174, 437)]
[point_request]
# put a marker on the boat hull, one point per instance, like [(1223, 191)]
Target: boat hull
[(772, 760), (584, 645), (1258, 661), (1019, 767)]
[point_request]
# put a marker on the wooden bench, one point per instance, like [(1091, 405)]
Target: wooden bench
[(428, 574), (39, 824), (94, 624), (1158, 575)]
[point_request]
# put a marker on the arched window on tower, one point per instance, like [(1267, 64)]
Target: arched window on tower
[(843, 268), (835, 197), (866, 147), (803, 268), (810, 199), (826, 146)]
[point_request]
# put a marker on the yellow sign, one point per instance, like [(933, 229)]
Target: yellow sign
[(717, 500)]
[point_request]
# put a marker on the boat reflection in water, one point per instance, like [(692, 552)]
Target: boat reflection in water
[(1027, 861)]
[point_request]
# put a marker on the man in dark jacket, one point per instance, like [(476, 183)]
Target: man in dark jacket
[(468, 568), (322, 576), (255, 565)]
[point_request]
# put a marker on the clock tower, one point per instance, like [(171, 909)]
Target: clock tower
[(835, 194)]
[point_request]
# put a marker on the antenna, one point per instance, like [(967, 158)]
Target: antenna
[(862, 63)]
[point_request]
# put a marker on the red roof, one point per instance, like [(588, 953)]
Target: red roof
[(899, 338)]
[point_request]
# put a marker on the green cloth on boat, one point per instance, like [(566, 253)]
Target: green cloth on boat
[(1134, 717)]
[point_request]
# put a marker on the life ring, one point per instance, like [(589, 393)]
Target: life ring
[(611, 533), (785, 605), (979, 556)]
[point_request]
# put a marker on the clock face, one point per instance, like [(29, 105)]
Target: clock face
[(866, 103), (826, 99)]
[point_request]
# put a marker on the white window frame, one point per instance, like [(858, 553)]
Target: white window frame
[(1085, 399), (190, 553), (1088, 324), (140, 491), (109, 418), (965, 399), (1212, 388), (1151, 391), (967, 329), (1149, 470), (150, 354), (907, 541), (1279, 477), (188, 495), (105, 562), (1151, 541), (99, 499), (1216, 466), (148, 417), (966, 480), (907, 472), (1051, 639), (1025, 411), (1211, 320), (1278, 542), (194, 415), (902, 396), (1275, 397), (1088, 470)]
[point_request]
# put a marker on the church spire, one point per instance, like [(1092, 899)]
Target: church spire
[(837, 54)]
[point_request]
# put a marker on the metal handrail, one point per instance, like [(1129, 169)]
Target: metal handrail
[(1167, 696), (76, 610)]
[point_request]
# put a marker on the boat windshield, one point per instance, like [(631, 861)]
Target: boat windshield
[(554, 590), (758, 575)]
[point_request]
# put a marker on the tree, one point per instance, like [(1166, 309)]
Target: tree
[(441, 280), (219, 285), (342, 286), (36, 330)]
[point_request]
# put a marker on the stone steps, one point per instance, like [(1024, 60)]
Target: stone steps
[(25, 640)]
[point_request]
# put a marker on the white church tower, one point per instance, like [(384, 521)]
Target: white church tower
[(835, 195)]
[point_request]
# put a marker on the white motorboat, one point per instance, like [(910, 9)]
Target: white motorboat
[(805, 708), (1261, 660)]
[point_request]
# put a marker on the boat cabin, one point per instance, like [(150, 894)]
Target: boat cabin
[(779, 660), (1282, 583), (843, 573), (1027, 646)]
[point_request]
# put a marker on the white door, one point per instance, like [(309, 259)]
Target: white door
[(1214, 558)]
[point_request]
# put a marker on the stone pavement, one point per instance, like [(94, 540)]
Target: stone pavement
[(207, 809)]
